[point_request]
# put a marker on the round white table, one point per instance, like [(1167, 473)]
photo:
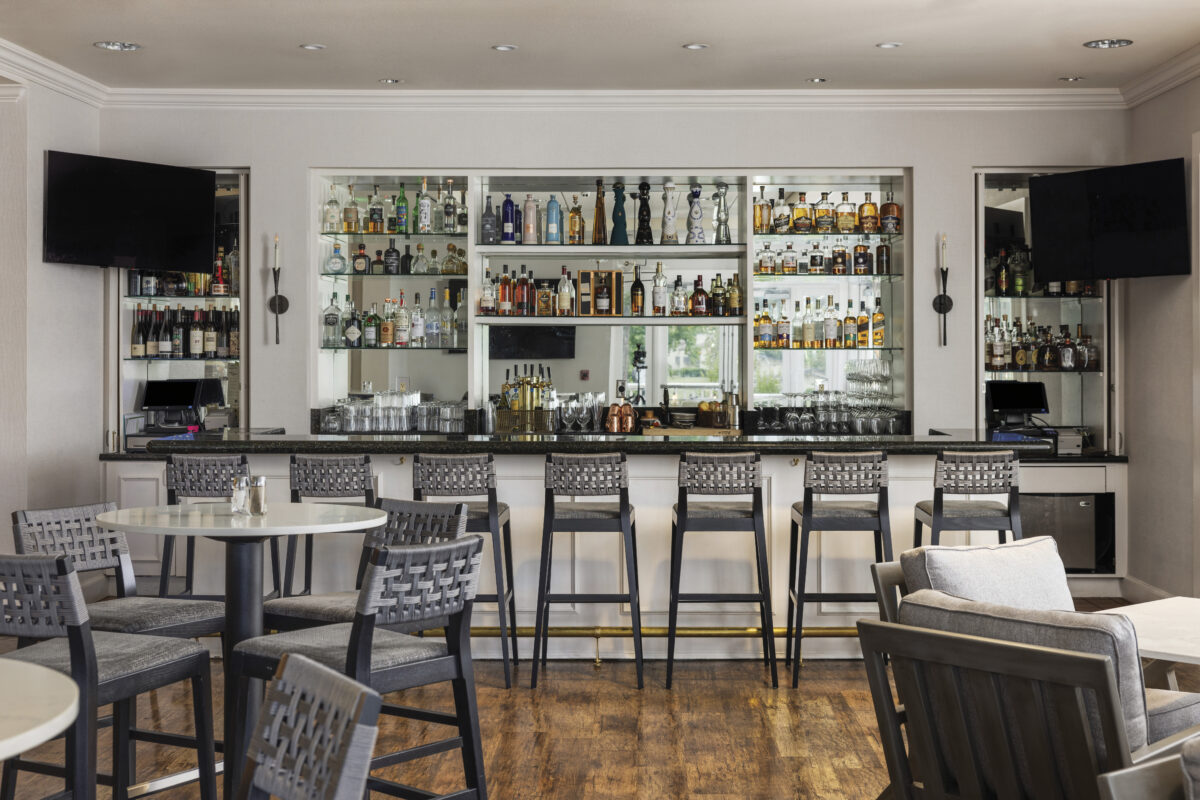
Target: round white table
[(243, 537), (37, 704)]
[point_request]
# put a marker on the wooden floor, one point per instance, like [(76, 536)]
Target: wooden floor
[(587, 733)]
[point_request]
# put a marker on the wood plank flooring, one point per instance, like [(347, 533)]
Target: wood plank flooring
[(587, 733)]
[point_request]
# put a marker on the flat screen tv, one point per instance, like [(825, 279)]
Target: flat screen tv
[(1114, 222), (109, 212), (506, 342)]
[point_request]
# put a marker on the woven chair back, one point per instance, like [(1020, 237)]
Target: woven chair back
[(72, 532), (332, 476), (726, 473), (453, 476), (846, 473), (39, 598), (204, 476), (992, 472), (422, 582), (415, 522), (600, 474)]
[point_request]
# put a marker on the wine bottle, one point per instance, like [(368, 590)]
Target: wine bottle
[(137, 336), (637, 294)]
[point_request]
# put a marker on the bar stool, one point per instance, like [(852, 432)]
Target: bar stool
[(732, 474), (956, 473), (844, 474), (203, 477), (326, 478), (604, 474), (475, 476)]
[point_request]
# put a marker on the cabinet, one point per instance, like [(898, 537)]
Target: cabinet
[(1057, 334)]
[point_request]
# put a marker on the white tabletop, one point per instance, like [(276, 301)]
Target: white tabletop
[(1166, 629), (218, 521), (38, 704)]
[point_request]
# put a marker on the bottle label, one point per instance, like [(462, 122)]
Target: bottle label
[(197, 342), (391, 262), (152, 348), (870, 223), (377, 216), (603, 304), (137, 351), (164, 347), (425, 215), (402, 217), (508, 228), (802, 224), (418, 330), (331, 319), (862, 264), (235, 343), (505, 306), (552, 228), (401, 336), (371, 336), (352, 333), (210, 341), (222, 352), (177, 342), (659, 294), (564, 302), (890, 224)]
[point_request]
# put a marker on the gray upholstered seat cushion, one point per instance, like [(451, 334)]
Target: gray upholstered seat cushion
[(1027, 573), (856, 509), (1170, 712), (601, 510), (479, 510), (328, 607), (117, 655), (963, 508), (152, 614), (716, 509), (1109, 635), (328, 645)]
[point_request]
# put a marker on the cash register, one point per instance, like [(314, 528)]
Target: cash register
[(1011, 409), (171, 407)]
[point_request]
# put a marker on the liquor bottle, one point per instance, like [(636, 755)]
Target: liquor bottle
[(599, 221), (332, 219), (460, 224), (351, 325), (487, 294), (331, 329), (420, 265), (416, 335), (878, 321), (389, 210), (849, 327), (766, 328), (883, 259), (816, 259), (565, 296), (196, 335), (679, 299), (529, 221), (830, 325), (403, 322), (839, 260), (508, 221), (781, 216), (637, 294), (450, 209), (424, 209), (604, 305), (449, 332), (575, 226), (823, 220), (659, 294), (789, 263), (137, 335), (336, 263), (179, 334), (1066, 350), (350, 214), (402, 222), (864, 325), (375, 216), (802, 216), (553, 221), (360, 264), (861, 259), (761, 214), (391, 258), (449, 265), (164, 334), (387, 324), (487, 223), (766, 260), (699, 298), (522, 295), (235, 334), (233, 268), (783, 329), (1018, 278), (813, 319), (210, 333), (370, 327), (434, 266), (378, 267), (437, 212), (433, 322), (405, 262), (1001, 275), (868, 215), (733, 297), (846, 215), (504, 294), (757, 326), (460, 323), (717, 302), (890, 219), (151, 332)]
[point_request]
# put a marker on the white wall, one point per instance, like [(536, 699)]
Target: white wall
[(13, 267), (1162, 322), (279, 145)]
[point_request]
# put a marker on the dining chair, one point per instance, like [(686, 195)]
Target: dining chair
[(324, 478)]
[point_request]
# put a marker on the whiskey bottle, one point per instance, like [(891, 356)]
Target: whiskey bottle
[(377, 265), (868, 215), (1066, 351), (797, 337), (846, 215), (813, 318), (599, 220), (839, 258), (878, 322), (350, 214), (487, 294), (781, 216), (604, 305), (733, 297), (783, 329), (823, 215), (864, 325), (391, 259), (1001, 275), (659, 293), (565, 296), (361, 262), (766, 328), (637, 294), (336, 263), (375, 217), (830, 324), (757, 326), (849, 328), (816, 259), (789, 261), (883, 259), (332, 219), (575, 226), (802, 216), (679, 299), (402, 216), (504, 293), (699, 298), (890, 219), (718, 306), (766, 260), (861, 259), (761, 212)]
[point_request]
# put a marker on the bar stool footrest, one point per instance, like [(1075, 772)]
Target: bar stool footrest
[(753, 597), (413, 753), (493, 597), (420, 714), (587, 598), (838, 597)]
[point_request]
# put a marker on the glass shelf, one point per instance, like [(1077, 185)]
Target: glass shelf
[(591, 251), (340, 236), (426, 275), (1046, 299), (166, 298), (1017, 374), (828, 349), (179, 360), (812, 276), (884, 237), (622, 320), (398, 349)]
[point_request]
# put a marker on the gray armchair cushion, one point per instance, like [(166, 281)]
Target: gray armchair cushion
[(1027, 573), (1109, 635), (329, 644), (1170, 712), (328, 607), (1190, 761)]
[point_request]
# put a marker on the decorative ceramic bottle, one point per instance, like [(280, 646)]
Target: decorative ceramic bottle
[(620, 234), (695, 234), (644, 236), (670, 196)]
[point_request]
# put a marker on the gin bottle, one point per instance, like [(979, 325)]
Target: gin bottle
[(391, 259), (331, 330), (448, 329), (351, 326), (336, 263), (487, 224), (370, 327), (433, 322), (416, 336), (332, 220), (424, 209), (450, 209), (404, 321), (375, 216)]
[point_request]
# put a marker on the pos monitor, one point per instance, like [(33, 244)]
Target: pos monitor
[(1010, 403)]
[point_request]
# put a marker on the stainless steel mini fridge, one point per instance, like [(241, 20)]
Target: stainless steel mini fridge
[(1082, 524)]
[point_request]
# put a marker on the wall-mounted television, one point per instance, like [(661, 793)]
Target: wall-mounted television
[(506, 342), (1114, 222), (109, 212)]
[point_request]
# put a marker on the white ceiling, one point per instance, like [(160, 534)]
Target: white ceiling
[(604, 44)]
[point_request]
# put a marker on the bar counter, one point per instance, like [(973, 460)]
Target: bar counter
[(234, 441)]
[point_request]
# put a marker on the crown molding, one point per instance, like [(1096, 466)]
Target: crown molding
[(11, 92), (926, 99), (1163, 78), (26, 67)]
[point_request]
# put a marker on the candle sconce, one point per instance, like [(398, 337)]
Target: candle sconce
[(943, 303), (278, 304)]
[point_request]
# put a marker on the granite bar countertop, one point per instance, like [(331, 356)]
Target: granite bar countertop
[(232, 441)]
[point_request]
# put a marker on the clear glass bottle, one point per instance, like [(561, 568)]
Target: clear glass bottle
[(659, 294), (487, 295), (336, 263), (679, 298), (811, 318), (823, 219), (846, 215), (331, 329), (460, 322), (790, 261), (564, 301), (816, 259), (350, 214), (449, 265), (416, 337), (575, 226), (781, 215), (830, 325), (420, 263), (802, 217), (424, 209), (448, 330), (433, 322), (450, 209), (783, 328), (766, 260), (762, 213), (437, 212), (403, 322), (387, 324), (332, 213)]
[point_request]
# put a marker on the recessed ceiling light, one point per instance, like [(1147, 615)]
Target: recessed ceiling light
[(120, 47), (312, 47), (1072, 78), (390, 81), (889, 45), (1106, 44), (695, 46), (504, 48), (817, 80)]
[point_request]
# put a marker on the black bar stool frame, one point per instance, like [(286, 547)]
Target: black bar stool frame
[(959, 473), (340, 477)]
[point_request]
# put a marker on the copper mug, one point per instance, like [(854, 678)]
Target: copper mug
[(612, 422)]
